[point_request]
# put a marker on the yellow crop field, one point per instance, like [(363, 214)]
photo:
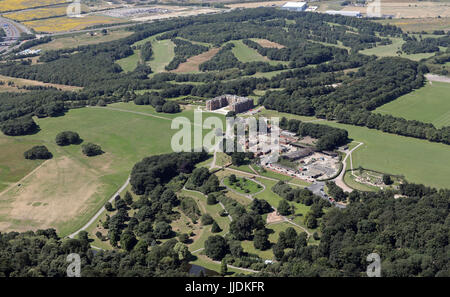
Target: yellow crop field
[(62, 24), (11, 5), (40, 13)]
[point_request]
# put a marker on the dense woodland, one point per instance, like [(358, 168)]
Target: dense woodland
[(411, 234), (425, 45)]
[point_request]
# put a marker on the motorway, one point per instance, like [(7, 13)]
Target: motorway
[(13, 31)]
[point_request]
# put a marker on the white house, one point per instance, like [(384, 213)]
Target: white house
[(294, 6)]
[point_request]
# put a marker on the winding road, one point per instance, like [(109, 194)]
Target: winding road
[(339, 180)]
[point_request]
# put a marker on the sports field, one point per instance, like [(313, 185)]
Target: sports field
[(430, 104)]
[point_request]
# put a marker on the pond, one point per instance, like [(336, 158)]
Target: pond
[(196, 270)]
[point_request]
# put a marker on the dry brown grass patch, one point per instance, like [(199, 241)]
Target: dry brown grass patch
[(268, 43)]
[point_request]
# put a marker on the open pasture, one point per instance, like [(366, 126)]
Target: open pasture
[(430, 104)]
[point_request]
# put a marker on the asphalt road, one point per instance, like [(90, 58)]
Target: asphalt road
[(92, 220)]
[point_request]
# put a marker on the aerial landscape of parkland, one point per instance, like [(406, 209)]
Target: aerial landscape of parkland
[(223, 139)]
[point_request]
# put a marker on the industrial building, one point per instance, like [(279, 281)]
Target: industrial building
[(344, 13), (295, 6), (235, 103)]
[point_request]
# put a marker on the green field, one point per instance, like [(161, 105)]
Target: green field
[(75, 40), (129, 63), (163, 53), (430, 104), (391, 50), (246, 54), (246, 186), (12, 164), (420, 161), (72, 187)]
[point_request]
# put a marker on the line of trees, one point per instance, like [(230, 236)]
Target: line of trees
[(328, 137)]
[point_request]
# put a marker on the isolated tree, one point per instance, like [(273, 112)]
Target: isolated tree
[(99, 235), (242, 227), (91, 149), (67, 137), (260, 206), (316, 236), (301, 240), (39, 152), (215, 228), (238, 158), (108, 206), (310, 221), (223, 213)]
